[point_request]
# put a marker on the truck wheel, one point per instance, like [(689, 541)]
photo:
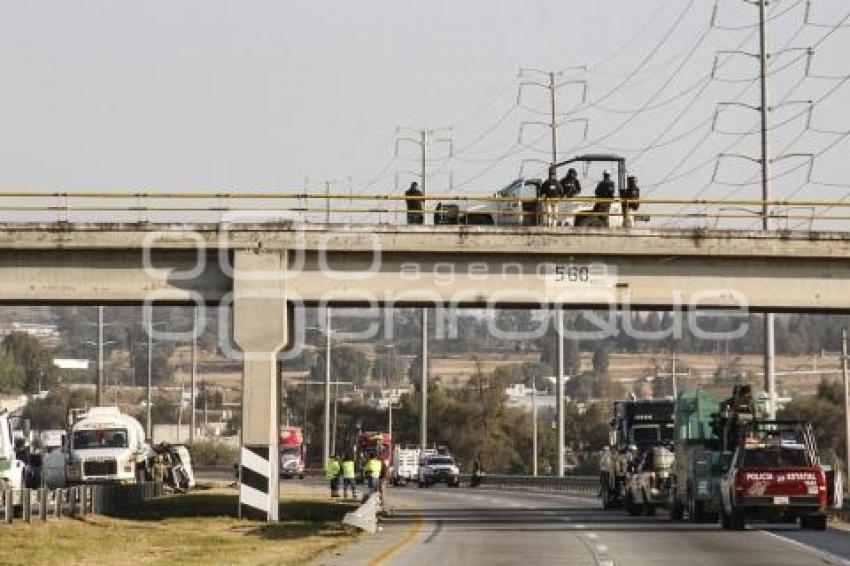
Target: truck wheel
[(737, 520), (677, 509), (695, 510), (631, 505), (813, 522)]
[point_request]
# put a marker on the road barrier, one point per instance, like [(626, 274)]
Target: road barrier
[(572, 484), (75, 501), (365, 517)]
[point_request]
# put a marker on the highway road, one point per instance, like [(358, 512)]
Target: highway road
[(442, 527)]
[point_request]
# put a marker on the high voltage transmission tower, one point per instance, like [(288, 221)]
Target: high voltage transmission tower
[(552, 85), (765, 160)]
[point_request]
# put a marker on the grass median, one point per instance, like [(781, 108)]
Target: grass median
[(195, 528)]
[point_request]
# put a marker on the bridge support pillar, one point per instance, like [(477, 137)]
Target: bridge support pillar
[(260, 331)]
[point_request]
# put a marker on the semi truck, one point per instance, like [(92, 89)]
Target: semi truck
[(292, 452), (637, 425), (377, 443)]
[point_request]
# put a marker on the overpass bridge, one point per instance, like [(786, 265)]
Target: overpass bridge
[(261, 271)]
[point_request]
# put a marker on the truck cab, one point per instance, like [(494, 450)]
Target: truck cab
[(774, 475), (106, 446), (439, 468), (292, 454), (12, 469)]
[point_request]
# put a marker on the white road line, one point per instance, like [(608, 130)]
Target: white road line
[(827, 556), (580, 526), (592, 535), (602, 548)]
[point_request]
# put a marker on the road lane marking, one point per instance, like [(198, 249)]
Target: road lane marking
[(411, 534), (828, 557), (602, 548), (592, 535)]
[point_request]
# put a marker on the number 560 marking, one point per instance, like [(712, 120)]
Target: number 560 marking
[(572, 274)]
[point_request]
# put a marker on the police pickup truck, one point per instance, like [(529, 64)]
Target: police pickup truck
[(775, 475)]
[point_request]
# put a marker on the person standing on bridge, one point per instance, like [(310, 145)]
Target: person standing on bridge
[(414, 203), (332, 473), (550, 191), (348, 476), (570, 185), (604, 190)]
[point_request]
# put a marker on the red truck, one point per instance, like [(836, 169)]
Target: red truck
[(774, 475), (292, 452), (379, 443)]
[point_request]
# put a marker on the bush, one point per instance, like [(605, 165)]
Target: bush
[(213, 453)]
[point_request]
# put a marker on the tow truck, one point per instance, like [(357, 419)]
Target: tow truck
[(638, 425), (774, 475)]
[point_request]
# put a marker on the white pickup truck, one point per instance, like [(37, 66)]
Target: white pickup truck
[(516, 205)]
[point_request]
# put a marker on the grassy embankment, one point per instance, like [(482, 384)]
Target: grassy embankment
[(197, 528)]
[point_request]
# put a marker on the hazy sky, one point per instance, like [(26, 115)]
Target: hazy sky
[(260, 94)]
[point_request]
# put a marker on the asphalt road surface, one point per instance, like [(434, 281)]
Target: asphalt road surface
[(443, 527)]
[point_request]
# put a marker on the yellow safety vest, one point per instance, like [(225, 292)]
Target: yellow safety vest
[(331, 469), (348, 469), (374, 468)]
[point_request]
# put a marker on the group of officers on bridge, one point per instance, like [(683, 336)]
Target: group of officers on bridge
[(549, 194)]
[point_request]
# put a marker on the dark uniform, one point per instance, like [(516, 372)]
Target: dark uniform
[(414, 204), (605, 189), (570, 185)]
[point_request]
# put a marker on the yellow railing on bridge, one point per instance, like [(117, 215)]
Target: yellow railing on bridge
[(171, 206)]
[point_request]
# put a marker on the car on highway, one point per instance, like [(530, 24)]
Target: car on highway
[(777, 478), (439, 469)]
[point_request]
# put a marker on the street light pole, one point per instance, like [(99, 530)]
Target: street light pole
[(534, 427), (846, 402), (98, 394), (148, 422), (559, 383), (192, 423), (327, 440), (423, 416)]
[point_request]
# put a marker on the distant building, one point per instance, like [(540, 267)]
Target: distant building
[(47, 334)]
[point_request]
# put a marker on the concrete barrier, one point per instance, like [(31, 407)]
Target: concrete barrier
[(365, 517)]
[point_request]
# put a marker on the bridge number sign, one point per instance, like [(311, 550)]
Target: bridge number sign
[(572, 277)]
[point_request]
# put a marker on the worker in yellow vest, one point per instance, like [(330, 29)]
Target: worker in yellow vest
[(373, 472), (348, 476), (332, 473)]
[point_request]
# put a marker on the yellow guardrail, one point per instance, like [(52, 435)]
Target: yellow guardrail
[(144, 203)]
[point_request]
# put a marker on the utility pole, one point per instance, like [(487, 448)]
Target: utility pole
[(424, 142), (327, 202), (559, 383), (148, 422), (534, 427), (192, 390), (98, 393), (673, 373), (769, 320), (846, 404), (327, 440), (423, 409), (552, 86)]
